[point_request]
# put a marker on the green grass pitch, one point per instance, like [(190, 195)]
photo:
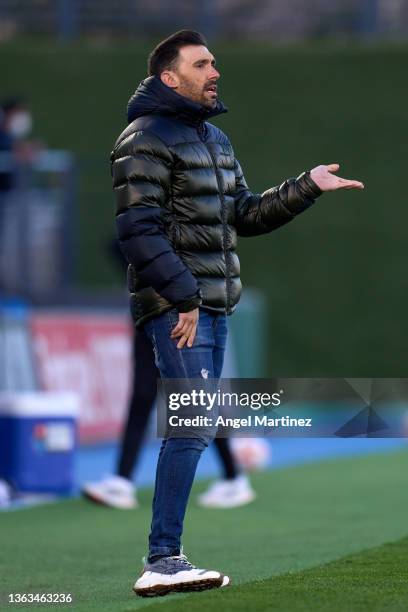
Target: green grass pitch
[(324, 536)]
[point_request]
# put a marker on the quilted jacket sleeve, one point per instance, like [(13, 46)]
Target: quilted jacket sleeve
[(257, 214), (141, 171)]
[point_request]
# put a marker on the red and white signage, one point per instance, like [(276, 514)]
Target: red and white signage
[(89, 354)]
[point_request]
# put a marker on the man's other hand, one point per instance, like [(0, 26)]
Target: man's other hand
[(323, 177), (186, 328)]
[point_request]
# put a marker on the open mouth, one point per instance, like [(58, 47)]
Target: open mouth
[(212, 89)]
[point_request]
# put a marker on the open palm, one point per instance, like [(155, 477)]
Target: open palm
[(323, 177)]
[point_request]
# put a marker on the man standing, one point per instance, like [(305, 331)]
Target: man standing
[(182, 200)]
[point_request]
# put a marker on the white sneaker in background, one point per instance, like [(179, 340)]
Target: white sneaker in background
[(228, 493), (5, 494), (113, 491)]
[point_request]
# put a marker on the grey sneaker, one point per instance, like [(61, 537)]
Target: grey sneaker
[(175, 574)]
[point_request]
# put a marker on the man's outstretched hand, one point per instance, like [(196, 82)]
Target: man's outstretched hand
[(323, 177)]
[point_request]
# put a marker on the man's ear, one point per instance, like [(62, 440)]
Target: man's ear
[(170, 79)]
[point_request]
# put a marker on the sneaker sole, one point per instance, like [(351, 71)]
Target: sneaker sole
[(198, 585), (226, 581)]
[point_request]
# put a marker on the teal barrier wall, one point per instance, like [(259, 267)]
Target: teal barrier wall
[(248, 327)]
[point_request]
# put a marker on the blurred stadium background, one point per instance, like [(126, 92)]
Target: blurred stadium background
[(325, 296)]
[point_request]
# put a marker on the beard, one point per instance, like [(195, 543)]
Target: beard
[(199, 94)]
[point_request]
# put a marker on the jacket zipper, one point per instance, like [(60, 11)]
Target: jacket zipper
[(224, 222)]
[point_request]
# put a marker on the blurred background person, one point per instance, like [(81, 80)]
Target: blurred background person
[(118, 490), (17, 155), (6, 148), (10, 127), (15, 127)]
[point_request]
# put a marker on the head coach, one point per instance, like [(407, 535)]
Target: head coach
[(181, 203)]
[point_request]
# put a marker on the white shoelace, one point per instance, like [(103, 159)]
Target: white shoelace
[(183, 559)]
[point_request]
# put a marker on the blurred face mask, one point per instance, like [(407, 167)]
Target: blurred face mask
[(20, 124)]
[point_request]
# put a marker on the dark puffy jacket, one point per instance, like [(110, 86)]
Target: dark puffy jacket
[(182, 200)]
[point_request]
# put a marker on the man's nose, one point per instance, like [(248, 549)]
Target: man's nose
[(214, 74)]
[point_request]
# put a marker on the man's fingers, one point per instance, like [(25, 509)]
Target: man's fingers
[(333, 167), (182, 329), (190, 341), (185, 329), (187, 338), (177, 328), (328, 181), (182, 341), (355, 185), (348, 184), (186, 334)]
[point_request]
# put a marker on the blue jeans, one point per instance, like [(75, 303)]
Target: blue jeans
[(178, 457)]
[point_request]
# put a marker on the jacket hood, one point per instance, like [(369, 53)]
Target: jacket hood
[(153, 97)]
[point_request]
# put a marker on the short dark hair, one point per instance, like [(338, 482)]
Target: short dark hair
[(164, 56)]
